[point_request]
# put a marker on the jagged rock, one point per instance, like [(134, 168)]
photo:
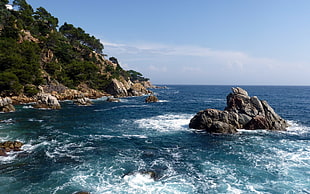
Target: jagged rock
[(6, 105), (83, 101), (45, 100), (123, 88), (137, 89), (10, 146), (22, 99), (242, 112), (111, 99), (117, 88), (151, 99)]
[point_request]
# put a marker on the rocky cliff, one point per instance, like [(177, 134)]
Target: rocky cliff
[(242, 112)]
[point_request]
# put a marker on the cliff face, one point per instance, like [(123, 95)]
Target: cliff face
[(123, 88)]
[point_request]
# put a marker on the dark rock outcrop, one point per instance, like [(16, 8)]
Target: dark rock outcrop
[(151, 99), (10, 146), (242, 112), (6, 105), (45, 100)]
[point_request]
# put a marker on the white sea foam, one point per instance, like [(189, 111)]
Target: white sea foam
[(163, 101), (165, 123), (35, 120), (27, 107), (7, 121), (297, 129), (8, 158), (136, 136)]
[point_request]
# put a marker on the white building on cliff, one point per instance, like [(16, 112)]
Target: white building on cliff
[(9, 6)]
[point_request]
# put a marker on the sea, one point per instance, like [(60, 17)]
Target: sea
[(137, 147)]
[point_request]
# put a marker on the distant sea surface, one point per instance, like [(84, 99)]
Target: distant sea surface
[(106, 147)]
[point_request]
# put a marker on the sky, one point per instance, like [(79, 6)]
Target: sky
[(205, 42)]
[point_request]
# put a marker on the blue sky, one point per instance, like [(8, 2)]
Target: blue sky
[(240, 42)]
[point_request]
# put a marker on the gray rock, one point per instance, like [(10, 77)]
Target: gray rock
[(83, 101), (241, 111), (240, 91), (45, 100), (6, 105)]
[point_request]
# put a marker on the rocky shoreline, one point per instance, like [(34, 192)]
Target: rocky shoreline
[(50, 94)]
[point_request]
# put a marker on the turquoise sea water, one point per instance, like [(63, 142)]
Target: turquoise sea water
[(101, 148)]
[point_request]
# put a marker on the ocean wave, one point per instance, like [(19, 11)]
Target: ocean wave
[(297, 129), (7, 121), (165, 123), (120, 107), (27, 107), (35, 120)]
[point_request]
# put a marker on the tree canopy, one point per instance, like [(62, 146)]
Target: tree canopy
[(33, 50)]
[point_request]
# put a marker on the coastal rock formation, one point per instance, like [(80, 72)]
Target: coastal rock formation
[(242, 112), (151, 99), (112, 99), (45, 100), (83, 101), (10, 146), (22, 99), (6, 105), (123, 88)]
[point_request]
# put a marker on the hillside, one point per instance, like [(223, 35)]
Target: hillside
[(37, 54)]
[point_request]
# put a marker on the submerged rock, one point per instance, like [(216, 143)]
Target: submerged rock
[(6, 105), (82, 192), (151, 99), (242, 112), (10, 146)]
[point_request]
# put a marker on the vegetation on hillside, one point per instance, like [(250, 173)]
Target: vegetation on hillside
[(34, 49)]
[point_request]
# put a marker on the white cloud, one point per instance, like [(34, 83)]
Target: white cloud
[(186, 63)]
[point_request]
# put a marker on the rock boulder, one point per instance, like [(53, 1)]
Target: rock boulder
[(6, 105), (242, 112), (151, 99), (83, 101), (45, 100), (10, 146)]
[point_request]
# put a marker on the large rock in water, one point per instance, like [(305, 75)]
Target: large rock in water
[(6, 105), (242, 112), (45, 100)]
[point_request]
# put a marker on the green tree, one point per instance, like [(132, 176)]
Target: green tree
[(24, 14), (9, 84), (45, 22), (78, 37)]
